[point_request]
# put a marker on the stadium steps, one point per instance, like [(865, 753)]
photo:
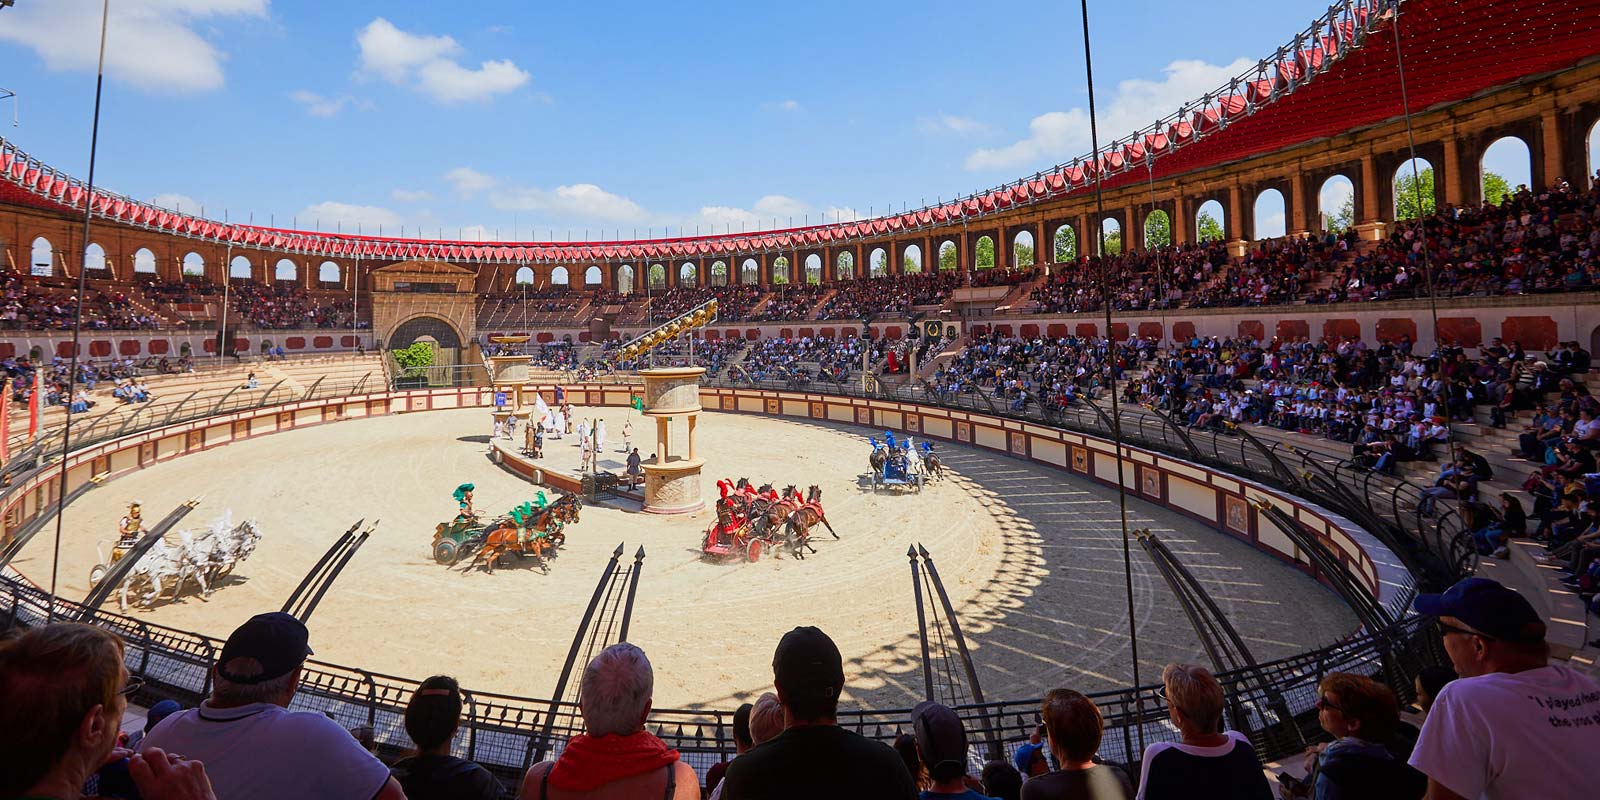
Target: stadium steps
[(816, 308), (1538, 578), (1014, 300)]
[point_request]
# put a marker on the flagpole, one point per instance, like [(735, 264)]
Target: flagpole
[(77, 318)]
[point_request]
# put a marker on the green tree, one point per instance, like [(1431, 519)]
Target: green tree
[(780, 271), (1495, 188), (911, 264), (1341, 220), (413, 360), (880, 264), (1113, 243), (1210, 228), (1023, 255), (1407, 190), (1157, 230), (949, 258), (1066, 244), (985, 249)]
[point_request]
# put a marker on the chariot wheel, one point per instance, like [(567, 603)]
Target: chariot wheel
[(445, 551), (752, 551), (97, 573)]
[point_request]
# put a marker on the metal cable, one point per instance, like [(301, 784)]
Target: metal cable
[(1111, 366), (77, 315)]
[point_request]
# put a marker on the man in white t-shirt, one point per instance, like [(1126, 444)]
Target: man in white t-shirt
[(1514, 725), (252, 745)]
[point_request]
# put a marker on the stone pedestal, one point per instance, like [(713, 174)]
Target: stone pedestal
[(672, 480)]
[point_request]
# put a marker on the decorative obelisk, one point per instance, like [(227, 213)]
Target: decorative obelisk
[(672, 480)]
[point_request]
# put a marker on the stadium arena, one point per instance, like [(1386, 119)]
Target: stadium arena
[(1062, 432)]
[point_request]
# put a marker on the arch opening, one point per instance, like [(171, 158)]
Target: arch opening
[(593, 276), (328, 272), (144, 261), (658, 276), (949, 256), (749, 272), (524, 276), (719, 273), (1413, 189), (285, 270), (1066, 244), (1157, 229), (1022, 252), (878, 263), (780, 270), (688, 274), (1506, 165), (846, 266), (239, 267), (560, 277), (1336, 204), (911, 262), (42, 259), (983, 255), (624, 281), (813, 269), (1110, 237), (1210, 224), (94, 256)]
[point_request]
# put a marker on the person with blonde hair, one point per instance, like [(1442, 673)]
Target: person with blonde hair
[(1209, 762), (763, 721)]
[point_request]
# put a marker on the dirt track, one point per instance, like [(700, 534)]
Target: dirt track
[(1032, 561)]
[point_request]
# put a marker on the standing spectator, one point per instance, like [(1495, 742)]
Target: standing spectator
[(432, 717), (615, 756), (1209, 762), (1075, 727), (1029, 758), (1362, 715), (1513, 724), (814, 757), (942, 746), (63, 690), (252, 744)]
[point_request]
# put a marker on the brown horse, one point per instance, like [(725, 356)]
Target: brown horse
[(503, 537), (797, 533)]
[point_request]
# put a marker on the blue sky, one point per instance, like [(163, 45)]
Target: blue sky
[(489, 116)]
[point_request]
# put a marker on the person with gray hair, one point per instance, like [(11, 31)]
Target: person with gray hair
[(253, 746), (615, 757)]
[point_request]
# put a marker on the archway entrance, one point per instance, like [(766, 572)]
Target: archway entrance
[(442, 339)]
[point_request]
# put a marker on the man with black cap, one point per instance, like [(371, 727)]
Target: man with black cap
[(814, 757), (1513, 724), (252, 745), (942, 746)]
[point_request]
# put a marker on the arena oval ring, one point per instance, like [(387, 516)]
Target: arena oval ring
[(1025, 525)]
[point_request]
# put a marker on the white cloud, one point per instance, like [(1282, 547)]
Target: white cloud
[(177, 202), (153, 45), (411, 195), (1061, 135), (467, 180), (769, 211), (574, 201), (329, 214), (950, 123), (789, 104), (429, 64), (318, 106)]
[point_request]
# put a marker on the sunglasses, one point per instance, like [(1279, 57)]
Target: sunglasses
[(1323, 704), (1445, 629), (132, 687)]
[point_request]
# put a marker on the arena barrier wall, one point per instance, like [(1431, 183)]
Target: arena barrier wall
[(502, 731)]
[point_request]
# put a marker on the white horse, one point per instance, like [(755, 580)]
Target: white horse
[(205, 559)]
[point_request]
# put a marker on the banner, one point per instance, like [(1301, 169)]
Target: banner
[(36, 402)]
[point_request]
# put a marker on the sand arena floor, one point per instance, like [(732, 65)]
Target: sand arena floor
[(1032, 560)]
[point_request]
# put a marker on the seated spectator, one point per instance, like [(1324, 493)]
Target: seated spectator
[(814, 757), (247, 736), (1001, 780), (615, 757), (1514, 724), (1209, 761), (1362, 761), (1428, 683), (432, 717), (1075, 727), (942, 746), (63, 690), (153, 717), (906, 745), (1029, 758)]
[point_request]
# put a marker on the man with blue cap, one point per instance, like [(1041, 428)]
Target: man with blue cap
[(253, 746), (1514, 724)]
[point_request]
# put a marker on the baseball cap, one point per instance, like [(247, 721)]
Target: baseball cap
[(1025, 756), (275, 641), (941, 739), (807, 664), (1488, 607), (160, 711)]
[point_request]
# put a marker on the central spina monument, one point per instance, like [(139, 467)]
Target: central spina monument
[(672, 479)]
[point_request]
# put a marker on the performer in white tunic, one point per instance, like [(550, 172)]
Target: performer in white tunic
[(627, 435), (583, 433), (600, 436)]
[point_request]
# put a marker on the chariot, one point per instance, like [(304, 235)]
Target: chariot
[(530, 529), (896, 471), (742, 529)]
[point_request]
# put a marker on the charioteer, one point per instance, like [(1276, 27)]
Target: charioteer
[(463, 498), (129, 529)]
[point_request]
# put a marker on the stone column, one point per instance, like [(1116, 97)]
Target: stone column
[(1002, 248), (1550, 138), (1235, 227), (1452, 171), (1370, 226), (1299, 219), (1044, 247), (1182, 226), (1132, 231)]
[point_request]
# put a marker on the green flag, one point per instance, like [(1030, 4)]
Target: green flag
[(637, 402)]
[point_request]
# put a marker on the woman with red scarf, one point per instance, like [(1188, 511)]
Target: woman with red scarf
[(615, 758)]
